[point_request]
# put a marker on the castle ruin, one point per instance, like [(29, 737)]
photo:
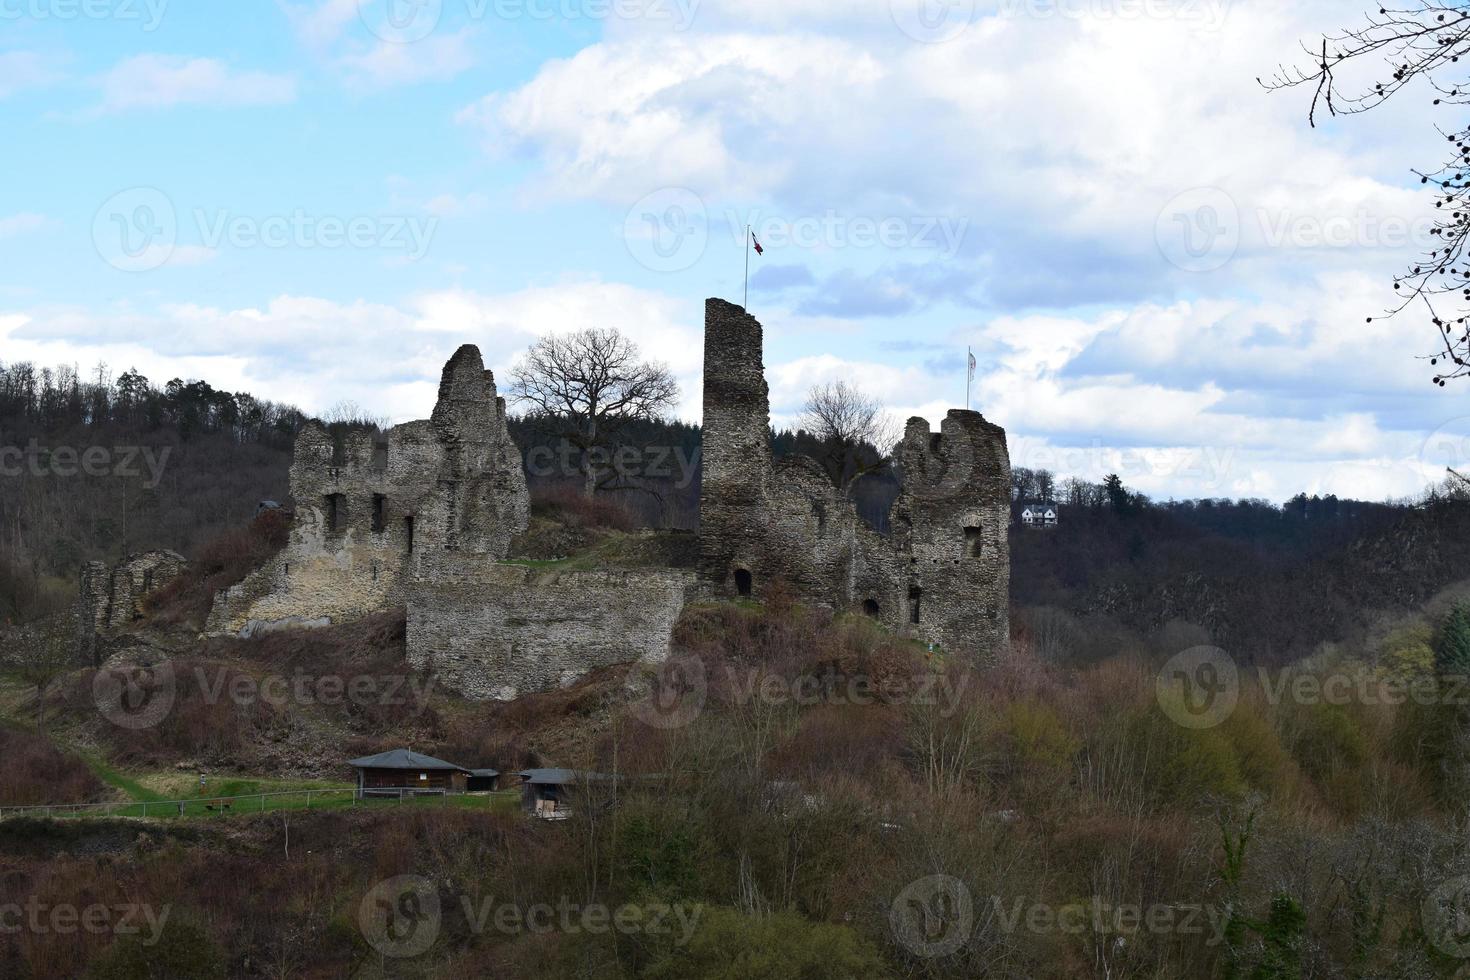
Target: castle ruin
[(424, 518), (439, 498), (942, 576)]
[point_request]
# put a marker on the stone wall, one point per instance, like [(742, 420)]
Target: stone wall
[(762, 521), (951, 524), (111, 598), (376, 515), (424, 520), (512, 629)]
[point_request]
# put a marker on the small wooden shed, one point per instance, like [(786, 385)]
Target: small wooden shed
[(550, 793), (403, 771), (484, 780)]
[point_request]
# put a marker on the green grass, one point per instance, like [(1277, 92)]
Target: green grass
[(615, 550), (134, 789), (503, 801)]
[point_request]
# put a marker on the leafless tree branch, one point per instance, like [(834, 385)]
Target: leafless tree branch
[(1421, 40)]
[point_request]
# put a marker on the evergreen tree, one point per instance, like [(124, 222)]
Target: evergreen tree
[(1452, 647)]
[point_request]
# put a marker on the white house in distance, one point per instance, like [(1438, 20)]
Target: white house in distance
[(1039, 515)]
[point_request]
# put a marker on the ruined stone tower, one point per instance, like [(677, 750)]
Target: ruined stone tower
[(950, 524), (735, 453), (439, 493), (942, 576)]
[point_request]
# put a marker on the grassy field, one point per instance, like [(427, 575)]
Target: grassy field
[(173, 793), (269, 801)]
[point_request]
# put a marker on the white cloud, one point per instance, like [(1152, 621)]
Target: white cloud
[(718, 114), (20, 224), (320, 24), (455, 206), (1053, 127), (315, 352), (20, 70), (156, 81), (432, 59)]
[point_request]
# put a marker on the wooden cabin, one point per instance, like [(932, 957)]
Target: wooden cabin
[(402, 772)]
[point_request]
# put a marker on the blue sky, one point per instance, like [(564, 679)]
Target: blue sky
[(1163, 271)]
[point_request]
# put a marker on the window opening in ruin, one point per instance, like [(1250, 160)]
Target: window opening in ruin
[(915, 594), (870, 607), (378, 503), (973, 542), (743, 582), (408, 532), (336, 512)]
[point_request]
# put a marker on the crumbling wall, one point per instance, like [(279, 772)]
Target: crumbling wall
[(378, 514), (511, 629), (942, 576), (111, 599), (951, 523)]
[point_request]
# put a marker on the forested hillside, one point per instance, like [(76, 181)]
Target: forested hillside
[(99, 467)]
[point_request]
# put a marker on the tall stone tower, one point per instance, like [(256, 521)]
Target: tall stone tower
[(951, 528), (736, 449), (942, 574)]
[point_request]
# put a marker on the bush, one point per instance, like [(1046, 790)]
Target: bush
[(728, 945), (182, 950), (1264, 762), (1331, 749), (572, 507), (1177, 766), (1408, 653), (1042, 751), (37, 772), (222, 562)]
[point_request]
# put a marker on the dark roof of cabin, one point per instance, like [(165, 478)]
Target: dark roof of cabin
[(558, 777), (403, 759), (484, 773)]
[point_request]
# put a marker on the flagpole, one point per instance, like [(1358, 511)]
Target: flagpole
[(968, 376), (746, 305)]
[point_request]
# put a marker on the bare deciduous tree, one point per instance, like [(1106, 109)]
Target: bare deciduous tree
[(856, 433), (47, 650), (589, 384), (1419, 41)]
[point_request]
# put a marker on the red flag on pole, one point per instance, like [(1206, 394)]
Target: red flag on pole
[(758, 249)]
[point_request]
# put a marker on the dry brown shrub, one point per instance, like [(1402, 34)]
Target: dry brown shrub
[(570, 506), (222, 562), (37, 772)]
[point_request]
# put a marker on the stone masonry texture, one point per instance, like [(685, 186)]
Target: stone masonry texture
[(942, 576), (424, 518)]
